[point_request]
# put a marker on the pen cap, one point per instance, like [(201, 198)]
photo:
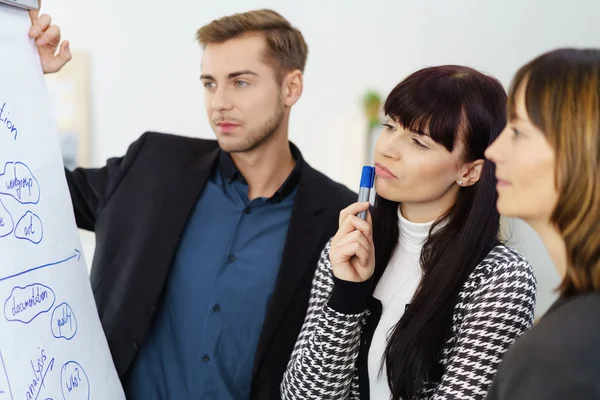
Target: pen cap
[(367, 177)]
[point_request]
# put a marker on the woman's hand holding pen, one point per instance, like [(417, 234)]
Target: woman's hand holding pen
[(352, 253)]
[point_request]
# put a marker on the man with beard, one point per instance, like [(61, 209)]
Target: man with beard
[(205, 249)]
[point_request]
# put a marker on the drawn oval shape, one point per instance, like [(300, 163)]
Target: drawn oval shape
[(30, 228), (63, 322), (18, 181), (7, 223), (25, 303), (74, 382)]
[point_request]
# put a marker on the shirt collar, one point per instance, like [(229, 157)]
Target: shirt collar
[(230, 173)]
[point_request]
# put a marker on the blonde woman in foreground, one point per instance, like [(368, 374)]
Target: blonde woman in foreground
[(548, 169)]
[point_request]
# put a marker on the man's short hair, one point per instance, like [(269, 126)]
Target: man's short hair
[(286, 49)]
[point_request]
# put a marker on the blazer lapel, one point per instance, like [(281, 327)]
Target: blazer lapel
[(176, 204), (304, 236), (176, 195)]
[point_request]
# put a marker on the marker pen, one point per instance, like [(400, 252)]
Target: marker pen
[(366, 183)]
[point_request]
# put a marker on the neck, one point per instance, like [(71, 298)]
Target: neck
[(429, 211), (554, 243), (266, 167), (412, 235)]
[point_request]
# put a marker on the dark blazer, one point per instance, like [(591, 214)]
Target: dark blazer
[(558, 359), (138, 206)]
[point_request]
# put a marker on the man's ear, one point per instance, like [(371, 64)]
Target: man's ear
[(292, 87)]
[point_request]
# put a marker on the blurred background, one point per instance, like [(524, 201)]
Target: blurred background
[(136, 67)]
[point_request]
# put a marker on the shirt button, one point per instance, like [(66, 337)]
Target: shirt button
[(247, 211), (206, 358), (217, 308), (231, 258)]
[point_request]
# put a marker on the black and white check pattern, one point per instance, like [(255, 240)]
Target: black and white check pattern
[(496, 305)]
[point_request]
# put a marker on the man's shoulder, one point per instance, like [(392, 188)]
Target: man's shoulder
[(160, 139), (329, 188), (164, 150)]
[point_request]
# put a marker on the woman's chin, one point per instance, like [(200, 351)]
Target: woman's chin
[(383, 190)]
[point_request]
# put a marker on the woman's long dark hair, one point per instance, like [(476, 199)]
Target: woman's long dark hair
[(451, 103)]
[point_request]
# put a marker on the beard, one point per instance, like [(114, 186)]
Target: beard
[(256, 137)]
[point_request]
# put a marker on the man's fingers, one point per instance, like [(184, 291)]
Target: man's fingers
[(59, 61), (51, 37), (39, 25), (64, 55), (33, 15)]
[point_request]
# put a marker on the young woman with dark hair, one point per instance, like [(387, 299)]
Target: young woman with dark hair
[(422, 300)]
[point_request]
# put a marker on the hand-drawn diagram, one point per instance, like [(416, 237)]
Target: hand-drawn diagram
[(52, 342), (26, 303), (19, 183), (6, 221), (63, 322), (77, 255), (41, 366), (29, 227), (75, 383), (6, 122), (5, 389)]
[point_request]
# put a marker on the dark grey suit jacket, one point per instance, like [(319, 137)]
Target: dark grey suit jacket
[(558, 359)]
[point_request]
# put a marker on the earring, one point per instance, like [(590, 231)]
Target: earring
[(459, 183)]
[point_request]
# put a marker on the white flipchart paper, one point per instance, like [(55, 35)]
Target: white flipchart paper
[(52, 345)]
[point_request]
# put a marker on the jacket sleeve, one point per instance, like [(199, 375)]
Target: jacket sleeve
[(500, 311), (323, 362), (92, 188)]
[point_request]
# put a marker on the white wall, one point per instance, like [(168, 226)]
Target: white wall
[(145, 65)]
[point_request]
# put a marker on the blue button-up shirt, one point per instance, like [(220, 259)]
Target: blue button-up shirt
[(204, 338)]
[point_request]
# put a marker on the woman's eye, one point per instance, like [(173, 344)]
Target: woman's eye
[(419, 144), (516, 132)]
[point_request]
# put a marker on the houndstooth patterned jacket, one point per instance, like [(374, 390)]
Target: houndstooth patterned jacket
[(495, 306)]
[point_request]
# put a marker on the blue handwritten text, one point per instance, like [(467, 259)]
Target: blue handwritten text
[(64, 323), (75, 383), (7, 122), (26, 303), (29, 227), (6, 221), (40, 369), (19, 182)]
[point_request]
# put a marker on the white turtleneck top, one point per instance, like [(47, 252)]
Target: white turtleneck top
[(395, 290)]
